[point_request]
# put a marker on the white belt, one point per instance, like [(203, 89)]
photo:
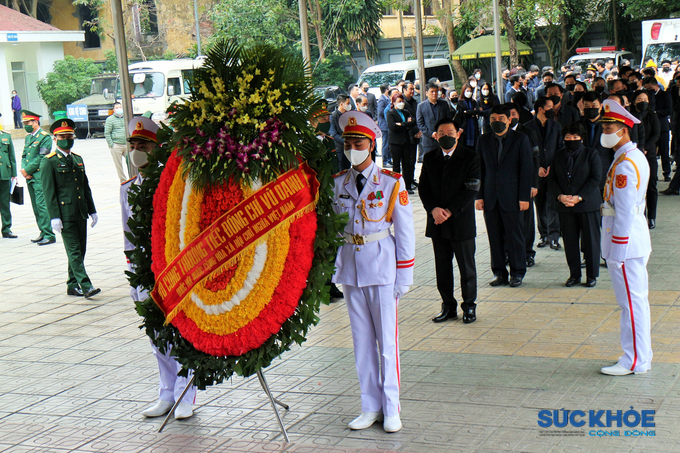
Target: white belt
[(608, 211), (358, 239)]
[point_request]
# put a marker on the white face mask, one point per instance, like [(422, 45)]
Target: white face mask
[(485, 92), (473, 83), (468, 94), (138, 158), (609, 140), (118, 112), (399, 105), (356, 156), (363, 108)]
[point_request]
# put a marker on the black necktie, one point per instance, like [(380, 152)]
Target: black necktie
[(360, 183), (500, 149), (446, 158)]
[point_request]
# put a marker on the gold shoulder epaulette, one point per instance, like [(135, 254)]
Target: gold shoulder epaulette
[(74, 154), (340, 173), (43, 132), (391, 173), (52, 154), (125, 182)]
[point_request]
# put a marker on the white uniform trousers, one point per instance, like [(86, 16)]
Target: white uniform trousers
[(171, 385), (631, 287), (373, 318)]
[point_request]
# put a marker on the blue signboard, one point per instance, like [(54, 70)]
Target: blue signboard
[(12, 37), (77, 112)]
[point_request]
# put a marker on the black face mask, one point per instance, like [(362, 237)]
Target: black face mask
[(365, 89), (642, 106), (632, 86), (498, 126), (591, 113), (513, 122), (447, 142), (666, 69), (570, 86), (572, 145), (550, 114), (555, 99), (599, 89), (454, 100)]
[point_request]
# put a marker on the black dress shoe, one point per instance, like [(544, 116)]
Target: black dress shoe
[(652, 224), (531, 262), (36, 240), (515, 282), (414, 184), (91, 292), (667, 179), (669, 191), (499, 281), (74, 292), (590, 283), (46, 241), (336, 293), (542, 243), (9, 235), (445, 314), (571, 281), (555, 245), (411, 191), (469, 315)]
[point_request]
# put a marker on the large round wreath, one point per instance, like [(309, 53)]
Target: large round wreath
[(245, 124)]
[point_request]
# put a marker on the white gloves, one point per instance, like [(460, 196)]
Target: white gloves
[(400, 291), (94, 219), (615, 264), (57, 226)]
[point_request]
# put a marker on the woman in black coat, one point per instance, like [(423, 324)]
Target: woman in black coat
[(641, 108), (487, 100), (399, 121), (468, 116), (574, 180)]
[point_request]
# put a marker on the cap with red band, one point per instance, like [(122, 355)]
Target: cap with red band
[(142, 128), (615, 113), (62, 126), (27, 115), (358, 125)]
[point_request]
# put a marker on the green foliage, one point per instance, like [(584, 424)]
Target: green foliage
[(110, 62), (332, 71), (69, 81), (358, 24)]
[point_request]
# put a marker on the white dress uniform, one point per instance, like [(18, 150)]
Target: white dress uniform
[(170, 384), (377, 257), (626, 245)]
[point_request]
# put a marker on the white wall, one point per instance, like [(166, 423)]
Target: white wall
[(5, 91)]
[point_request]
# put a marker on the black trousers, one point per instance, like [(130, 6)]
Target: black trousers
[(548, 221), (464, 251), (530, 229), (17, 119), (652, 190), (663, 150), (413, 152), (581, 233), (402, 163), (506, 231)]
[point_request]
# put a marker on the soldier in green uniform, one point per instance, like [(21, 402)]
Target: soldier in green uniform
[(69, 203), (38, 144), (8, 173)]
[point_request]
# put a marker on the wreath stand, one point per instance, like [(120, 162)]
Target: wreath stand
[(265, 387)]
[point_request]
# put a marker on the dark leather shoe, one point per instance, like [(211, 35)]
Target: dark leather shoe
[(91, 292), (46, 241), (445, 314), (74, 292), (590, 283), (667, 179), (469, 315), (498, 281), (336, 293), (669, 192), (652, 224), (515, 282), (531, 262), (571, 281), (9, 235), (542, 243), (36, 240), (555, 245)]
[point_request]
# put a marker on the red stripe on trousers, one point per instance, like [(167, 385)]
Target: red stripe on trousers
[(632, 318)]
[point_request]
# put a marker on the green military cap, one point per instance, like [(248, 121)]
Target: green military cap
[(27, 115), (63, 125)]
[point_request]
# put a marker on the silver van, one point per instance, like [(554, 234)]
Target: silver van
[(407, 70)]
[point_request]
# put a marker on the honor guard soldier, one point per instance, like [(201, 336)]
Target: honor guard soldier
[(626, 243), (69, 203), (37, 145), (8, 174), (142, 140), (374, 266)]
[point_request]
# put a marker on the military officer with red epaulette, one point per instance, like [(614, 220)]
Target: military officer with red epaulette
[(626, 243), (374, 266)]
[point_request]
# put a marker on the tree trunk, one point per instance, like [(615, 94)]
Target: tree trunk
[(564, 30), (547, 45), (616, 24), (512, 35), (319, 34), (15, 5), (444, 16)]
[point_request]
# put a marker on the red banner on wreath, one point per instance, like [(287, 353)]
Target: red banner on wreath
[(292, 193)]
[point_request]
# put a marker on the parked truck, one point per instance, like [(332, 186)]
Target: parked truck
[(99, 104)]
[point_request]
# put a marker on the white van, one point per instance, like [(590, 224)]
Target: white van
[(660, 40), (155, 85), (407, 70)]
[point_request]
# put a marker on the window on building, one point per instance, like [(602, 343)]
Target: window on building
[(88, 22), (148, 15), (428, 9)]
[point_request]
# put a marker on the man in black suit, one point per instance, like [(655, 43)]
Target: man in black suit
[(504, 193), (354, 92), (409, 90), (592, 111), (664, 109), (372, 109), (550, 135), (565, 114), (429, 112), (344, 105), (449, 181)]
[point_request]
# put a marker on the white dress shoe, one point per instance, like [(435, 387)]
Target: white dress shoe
[(365, 420), (392, 424), (618, 370), (184, 410), (160, 408)]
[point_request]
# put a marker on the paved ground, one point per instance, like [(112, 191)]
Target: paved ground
[(75, 374)]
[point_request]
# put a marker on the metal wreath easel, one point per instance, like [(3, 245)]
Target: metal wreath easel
[(265, 387)]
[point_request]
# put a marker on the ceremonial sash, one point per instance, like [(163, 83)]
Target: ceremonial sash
[(290, 195)]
